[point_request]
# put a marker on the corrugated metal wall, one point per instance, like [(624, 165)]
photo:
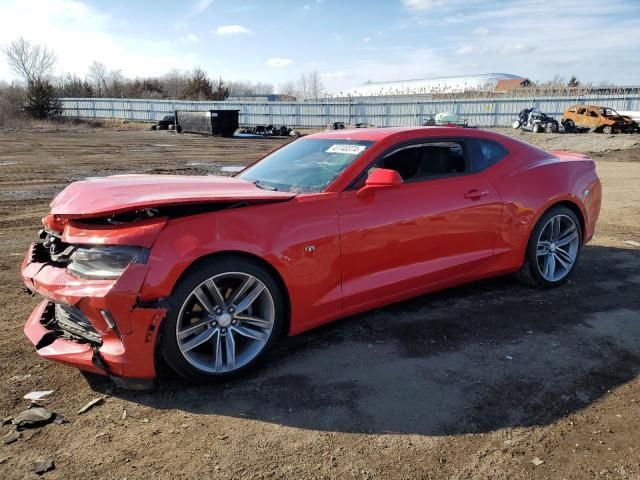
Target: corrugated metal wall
[(379, 111)]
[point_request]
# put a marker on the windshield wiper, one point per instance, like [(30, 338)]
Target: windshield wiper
[(261, 185)]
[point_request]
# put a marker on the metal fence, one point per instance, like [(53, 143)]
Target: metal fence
[(379, 111)]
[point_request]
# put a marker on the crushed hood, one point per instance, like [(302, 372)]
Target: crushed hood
[(95, 197)]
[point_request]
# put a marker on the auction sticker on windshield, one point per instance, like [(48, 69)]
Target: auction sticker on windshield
[(344, 148)]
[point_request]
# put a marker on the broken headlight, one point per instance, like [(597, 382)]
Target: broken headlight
[(105, 262)]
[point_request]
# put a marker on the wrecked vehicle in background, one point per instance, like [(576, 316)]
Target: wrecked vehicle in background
[(168, 122), (594, 118), (533, 120), (443, 119)]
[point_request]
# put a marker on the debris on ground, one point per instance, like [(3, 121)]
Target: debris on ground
[(6, 421), (20, 378), (33, 417), (632, 242), (59, 419), (38, 395), (537, 462), (92, 403), (124, 414), (42, 467), (4, 459), (11, 437)]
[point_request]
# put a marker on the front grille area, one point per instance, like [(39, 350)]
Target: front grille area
[(50, 249), (72, 321)]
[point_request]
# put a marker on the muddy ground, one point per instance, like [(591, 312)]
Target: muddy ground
[(474, 382)]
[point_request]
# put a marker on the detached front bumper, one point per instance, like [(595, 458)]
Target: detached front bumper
[(123, 333)]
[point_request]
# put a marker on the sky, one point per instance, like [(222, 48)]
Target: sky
[(348, 42)]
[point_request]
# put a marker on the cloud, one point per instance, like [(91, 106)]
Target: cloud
[(202, 5), (480, 31), (279, 62), (233, 30), (421, 5), (366, 39), (190, 38), (79, 34), (517, 48), (465, 50)]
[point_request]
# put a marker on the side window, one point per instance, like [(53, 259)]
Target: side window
[(486, 152), (420, 162)]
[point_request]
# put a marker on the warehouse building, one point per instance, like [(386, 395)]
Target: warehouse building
[(426, 86)]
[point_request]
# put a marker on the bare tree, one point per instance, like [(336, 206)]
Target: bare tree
[(243, 88), (289, 89), (174, 83), (310, 85), (33, 63), (98, 75), (316, 87), (303, 86)]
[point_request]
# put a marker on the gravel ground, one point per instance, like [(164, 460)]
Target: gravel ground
[(488, 380)]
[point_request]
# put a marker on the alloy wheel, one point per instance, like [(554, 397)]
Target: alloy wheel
[(558, 246), (225, 322)]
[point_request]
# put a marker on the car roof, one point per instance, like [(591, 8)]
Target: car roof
[(379, 133)]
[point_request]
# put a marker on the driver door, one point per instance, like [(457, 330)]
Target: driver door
[(440, 224)]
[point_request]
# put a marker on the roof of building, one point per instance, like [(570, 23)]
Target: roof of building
[(507, 84), (485, 81)]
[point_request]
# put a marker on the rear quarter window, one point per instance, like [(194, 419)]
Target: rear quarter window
[(485, 153)]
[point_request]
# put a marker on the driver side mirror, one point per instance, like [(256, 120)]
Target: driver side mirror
[(380, 179)]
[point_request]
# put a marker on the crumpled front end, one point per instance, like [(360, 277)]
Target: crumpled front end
[(92, 321)]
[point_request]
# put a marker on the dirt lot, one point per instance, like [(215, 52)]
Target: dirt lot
[(474, 382)]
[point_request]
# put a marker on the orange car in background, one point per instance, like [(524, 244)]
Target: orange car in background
[(597, 119)]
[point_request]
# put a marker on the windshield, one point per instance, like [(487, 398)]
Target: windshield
[(305, 165)]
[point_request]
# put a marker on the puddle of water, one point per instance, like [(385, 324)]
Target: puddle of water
[(232, 168)]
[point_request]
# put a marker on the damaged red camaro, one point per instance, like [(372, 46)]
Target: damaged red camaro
[(208, 271)]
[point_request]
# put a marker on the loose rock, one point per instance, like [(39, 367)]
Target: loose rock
[(42, 467)]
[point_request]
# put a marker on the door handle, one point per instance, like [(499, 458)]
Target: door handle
[(476, 194)]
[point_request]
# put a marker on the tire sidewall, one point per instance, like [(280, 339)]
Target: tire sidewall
[(168, 344), (532, 246)]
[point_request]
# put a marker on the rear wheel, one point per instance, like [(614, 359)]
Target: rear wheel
[(607, 130), (537, 128), (223, 317), (553, 249)]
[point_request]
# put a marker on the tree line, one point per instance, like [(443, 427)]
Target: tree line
[(39, 91)]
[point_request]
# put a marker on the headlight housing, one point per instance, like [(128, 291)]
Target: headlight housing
[(105, 262)]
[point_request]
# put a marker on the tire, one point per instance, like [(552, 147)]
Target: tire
[(533, 271), (551, 128), (607, 130), (516, 124), (569, 126), (537, 128), (209, 333)]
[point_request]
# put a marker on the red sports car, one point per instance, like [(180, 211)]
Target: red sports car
[(209, 271)]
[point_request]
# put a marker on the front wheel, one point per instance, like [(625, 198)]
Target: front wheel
[(569, 126), (222, 318), (553, 249), (607, 130)]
